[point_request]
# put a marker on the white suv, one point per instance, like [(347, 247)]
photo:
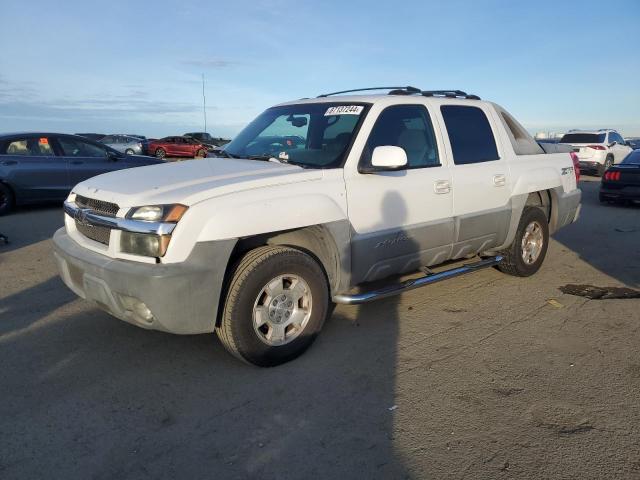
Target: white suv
[(597, 150)]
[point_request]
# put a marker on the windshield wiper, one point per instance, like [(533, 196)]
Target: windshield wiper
[(267, 158), (222, 153)]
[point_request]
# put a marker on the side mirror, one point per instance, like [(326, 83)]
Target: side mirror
[(388, 158), (613, 143)]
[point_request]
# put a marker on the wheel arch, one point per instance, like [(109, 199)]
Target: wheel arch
[(543, 199), (5, 183), (328, 244)]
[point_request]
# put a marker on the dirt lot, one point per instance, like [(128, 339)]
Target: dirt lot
[(480, 377)]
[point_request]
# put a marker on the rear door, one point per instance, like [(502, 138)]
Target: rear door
[(85, 159), (480, 178), (183, 147), (34, 170)]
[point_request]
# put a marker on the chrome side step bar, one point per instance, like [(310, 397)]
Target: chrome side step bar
[(405, 286)]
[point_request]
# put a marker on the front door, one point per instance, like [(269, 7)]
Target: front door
[(401, 220), (86, 159)]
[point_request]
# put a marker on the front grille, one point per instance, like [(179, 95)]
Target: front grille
[(104, 208), (95, 233)]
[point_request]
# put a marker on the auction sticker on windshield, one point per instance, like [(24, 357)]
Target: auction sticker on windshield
[(344, 110)]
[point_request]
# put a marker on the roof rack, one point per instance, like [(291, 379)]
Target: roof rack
[(449, 94), (410, 91), (405, 90)]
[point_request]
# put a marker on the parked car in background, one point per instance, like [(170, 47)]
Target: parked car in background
[(621, 183), (92, 136), (205, 138), (633, 142), (177, 147), (126, 144), (43, 167), (597, 150)]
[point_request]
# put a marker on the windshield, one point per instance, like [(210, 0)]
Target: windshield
[(583, 138), (315, 135), (633, 158)]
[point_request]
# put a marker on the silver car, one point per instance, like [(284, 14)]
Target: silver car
[(126, 144)]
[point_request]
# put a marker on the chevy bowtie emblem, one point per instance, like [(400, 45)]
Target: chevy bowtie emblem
[(80, 216)]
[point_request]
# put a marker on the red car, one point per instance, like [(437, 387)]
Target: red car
[(177, 147)]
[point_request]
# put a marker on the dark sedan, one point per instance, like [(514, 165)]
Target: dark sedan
[(621, 183), (43, 167)]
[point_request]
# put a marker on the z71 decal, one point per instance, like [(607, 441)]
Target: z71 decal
[(567, 170)]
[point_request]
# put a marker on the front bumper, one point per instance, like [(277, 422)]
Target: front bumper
[(177, 298)]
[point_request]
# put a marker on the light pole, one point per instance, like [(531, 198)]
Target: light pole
[(204, 105)]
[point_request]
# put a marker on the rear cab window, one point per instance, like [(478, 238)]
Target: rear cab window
[(470, 134)]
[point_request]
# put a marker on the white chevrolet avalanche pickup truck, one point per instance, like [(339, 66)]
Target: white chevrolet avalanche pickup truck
[(316, 202)]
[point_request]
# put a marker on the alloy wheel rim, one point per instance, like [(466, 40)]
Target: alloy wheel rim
[(282, 309), (532, 243)]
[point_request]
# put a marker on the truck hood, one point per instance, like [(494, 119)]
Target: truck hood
[(191, 181)]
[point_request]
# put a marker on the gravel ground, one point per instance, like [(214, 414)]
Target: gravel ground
[(485, 376)]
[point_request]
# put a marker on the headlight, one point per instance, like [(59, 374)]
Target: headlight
[(158, 213), (148, 244), (145, 244)]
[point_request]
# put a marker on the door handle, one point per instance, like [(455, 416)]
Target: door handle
[(77, 162), (10, 162), (442, 186), (499, 180)]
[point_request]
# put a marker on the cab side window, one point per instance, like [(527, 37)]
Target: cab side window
[(470, 134), (72, 147), (615, 137), (29, 147), (408, 127)]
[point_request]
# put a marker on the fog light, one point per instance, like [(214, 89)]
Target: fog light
[(144, 244), (142, 311), (136, 308)]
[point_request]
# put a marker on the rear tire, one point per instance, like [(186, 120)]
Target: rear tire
[(608, 163), (160, 153), (7, 199), (276, 303), (526, 254)]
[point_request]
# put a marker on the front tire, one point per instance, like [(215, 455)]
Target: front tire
[(276, 303), (161, 153), (525, 255), (201, 153), (128, 151), (7, 199)]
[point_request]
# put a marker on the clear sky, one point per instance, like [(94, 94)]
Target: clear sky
[(135, 66)]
